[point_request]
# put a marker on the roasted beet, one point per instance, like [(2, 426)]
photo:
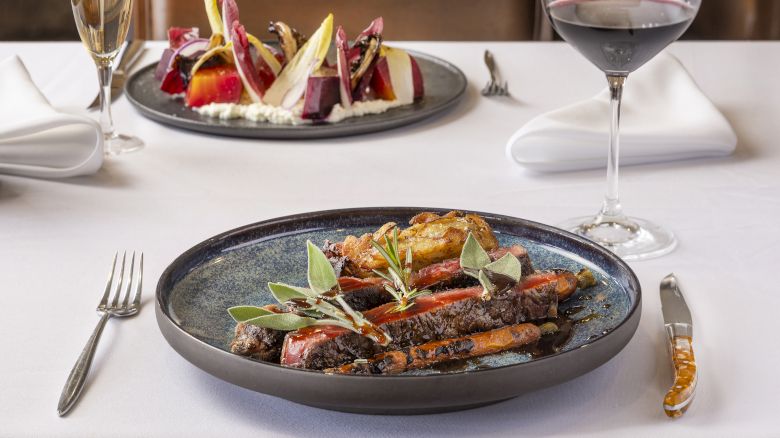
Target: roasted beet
[(214, 85), (322, 94)]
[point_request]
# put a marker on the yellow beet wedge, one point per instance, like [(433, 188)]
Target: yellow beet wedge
[(289, 87)]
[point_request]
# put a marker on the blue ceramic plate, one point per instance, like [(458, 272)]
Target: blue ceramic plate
[(233, 268)]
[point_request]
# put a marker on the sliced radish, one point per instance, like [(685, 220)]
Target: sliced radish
[(229, 16), (417, 80), (255, 82), (345, 88), (399, 64), (375, 28)]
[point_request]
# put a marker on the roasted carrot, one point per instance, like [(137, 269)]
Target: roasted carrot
[(431, 353)]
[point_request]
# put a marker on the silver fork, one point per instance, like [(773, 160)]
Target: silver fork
[(78, 375), (494, 87)]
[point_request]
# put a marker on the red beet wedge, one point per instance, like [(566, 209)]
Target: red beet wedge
[(322, 94)]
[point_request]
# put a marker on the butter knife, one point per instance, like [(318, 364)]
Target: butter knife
[(679, 328), (133, 51)]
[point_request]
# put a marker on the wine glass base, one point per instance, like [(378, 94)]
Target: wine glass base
[(629, 238), (116, 144)]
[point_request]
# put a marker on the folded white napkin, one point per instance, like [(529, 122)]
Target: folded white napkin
[(664, 117), (35, 139)]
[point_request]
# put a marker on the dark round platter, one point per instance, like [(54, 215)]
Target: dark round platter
[(233, 268), (444, 83)]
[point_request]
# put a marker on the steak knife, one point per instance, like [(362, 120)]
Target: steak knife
[(679, 328)]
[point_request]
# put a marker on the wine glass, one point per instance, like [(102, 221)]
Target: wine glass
[(619, 36), (102, 26)]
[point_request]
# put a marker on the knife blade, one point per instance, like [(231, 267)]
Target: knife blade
[(133, 51), (679, 329)]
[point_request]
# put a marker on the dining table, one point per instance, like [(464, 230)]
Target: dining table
[(57, 238)]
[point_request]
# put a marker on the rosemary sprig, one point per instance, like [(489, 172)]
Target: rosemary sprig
[(398, 273)]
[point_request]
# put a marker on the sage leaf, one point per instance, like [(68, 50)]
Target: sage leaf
[(284, 292), (473, 256), (243, 313), (487, 285), (321, 276), (508, 266), (282, 321)]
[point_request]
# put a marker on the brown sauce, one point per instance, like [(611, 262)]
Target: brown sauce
[(552, 343)]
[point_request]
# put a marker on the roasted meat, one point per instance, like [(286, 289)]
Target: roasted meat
[(258, 342), (433, 238), (363, 294), (449, 275), (443, 315)]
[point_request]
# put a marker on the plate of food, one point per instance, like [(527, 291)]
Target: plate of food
[(323, 85), (354, 310)]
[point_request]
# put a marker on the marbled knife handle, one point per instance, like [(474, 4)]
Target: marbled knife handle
[(681, 394)]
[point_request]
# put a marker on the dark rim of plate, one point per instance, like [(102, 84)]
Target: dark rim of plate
[(398, 120), (633, 280)]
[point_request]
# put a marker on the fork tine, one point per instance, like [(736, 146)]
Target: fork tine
[(129, 282), (137, 299), (118, 291), (104, 300)]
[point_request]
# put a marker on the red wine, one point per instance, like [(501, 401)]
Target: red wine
[(619, 36)]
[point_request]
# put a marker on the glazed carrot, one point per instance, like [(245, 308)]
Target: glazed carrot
[(431, 353)]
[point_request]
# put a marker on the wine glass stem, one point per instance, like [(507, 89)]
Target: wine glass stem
[(611, 207), (105, 70)]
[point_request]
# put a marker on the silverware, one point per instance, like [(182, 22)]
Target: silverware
[(494, 87), (78, 375), (132, 53), (679, 328)]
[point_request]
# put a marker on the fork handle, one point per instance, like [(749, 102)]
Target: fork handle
[(78, 375), (491, 65)]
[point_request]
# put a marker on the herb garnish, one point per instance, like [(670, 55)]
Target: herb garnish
[(475, 262), (398, 273), (319, 304)]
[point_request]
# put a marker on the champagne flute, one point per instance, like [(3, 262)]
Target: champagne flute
[(619, 36), (103, 26)]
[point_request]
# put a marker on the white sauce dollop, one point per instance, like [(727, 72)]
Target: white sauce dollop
[(260, 112)]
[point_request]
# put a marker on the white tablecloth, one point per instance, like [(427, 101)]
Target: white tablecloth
[(56, 239)]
